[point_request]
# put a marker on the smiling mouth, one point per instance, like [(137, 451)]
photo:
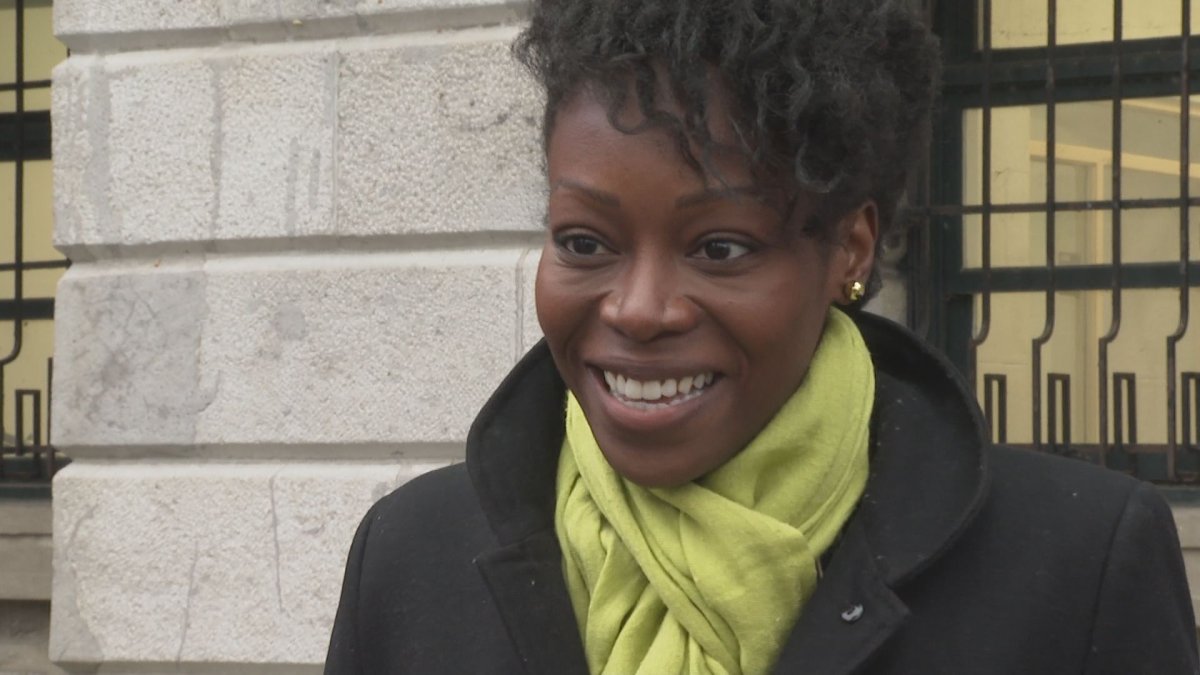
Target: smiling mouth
[(654, 394)]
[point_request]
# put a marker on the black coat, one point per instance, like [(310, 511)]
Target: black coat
[(961, 557)]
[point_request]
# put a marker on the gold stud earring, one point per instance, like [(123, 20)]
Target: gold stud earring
[(855, 291)]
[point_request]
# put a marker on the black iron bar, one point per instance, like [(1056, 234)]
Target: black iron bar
[(995, 394), (985, 299), (36, 265), (1071, 278), (1191, 411), (51, 453), (25, 86), (1059, 390), (1125, 411), (1051, 156), (1039, 207), (1185, 110), (1114, 325)]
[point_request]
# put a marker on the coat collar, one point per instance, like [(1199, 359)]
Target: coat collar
[(928, 480)]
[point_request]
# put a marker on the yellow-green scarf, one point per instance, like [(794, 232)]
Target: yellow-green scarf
[(710, 577)]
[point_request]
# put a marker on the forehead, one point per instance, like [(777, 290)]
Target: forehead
[(589, 132)]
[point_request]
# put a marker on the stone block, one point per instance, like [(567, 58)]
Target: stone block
[(226, 147), (218, 149), (134, 165), (374, 354), (438, 137), (82, 17), (163, 563), (275, 150), (84, 23)]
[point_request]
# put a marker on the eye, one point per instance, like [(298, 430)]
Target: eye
[(722, 249), (581, 245)]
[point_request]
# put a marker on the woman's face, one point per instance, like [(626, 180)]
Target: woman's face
[(682, 315)]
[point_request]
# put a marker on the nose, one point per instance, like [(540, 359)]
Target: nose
[(647, 302)]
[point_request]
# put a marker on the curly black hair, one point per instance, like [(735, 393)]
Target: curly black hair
[(834, 95)]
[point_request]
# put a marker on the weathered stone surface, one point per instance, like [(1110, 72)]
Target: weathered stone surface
[(86, 17), (274, 146), (439, 137), (219, 563), (275, 143), (250, 154), (324, 351)]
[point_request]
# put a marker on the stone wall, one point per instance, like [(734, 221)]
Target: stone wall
[(303, 236)]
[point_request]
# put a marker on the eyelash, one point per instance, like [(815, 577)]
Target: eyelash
[(565, 243)]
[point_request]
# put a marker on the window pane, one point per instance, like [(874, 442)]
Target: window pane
[(7, 233), (1023, 23), (42, 50), (1081, 319), (8, 38), (39, 212), (8, 102)]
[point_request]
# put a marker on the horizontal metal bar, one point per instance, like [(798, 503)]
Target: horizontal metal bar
[(1043, 207), (1075, 278), (35, 265), (1087, 62), (26, 85), (30, 308)]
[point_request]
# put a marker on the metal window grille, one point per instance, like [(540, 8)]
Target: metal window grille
[(27, 458), (953, 299)]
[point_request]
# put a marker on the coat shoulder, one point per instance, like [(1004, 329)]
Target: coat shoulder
[(431, 509)]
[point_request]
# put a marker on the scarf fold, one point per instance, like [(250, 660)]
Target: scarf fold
[(711, 576)]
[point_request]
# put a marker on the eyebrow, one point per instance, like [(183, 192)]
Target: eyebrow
[(601, 196), (695, 199)]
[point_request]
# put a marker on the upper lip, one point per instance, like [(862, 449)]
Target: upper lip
[(651, 370)]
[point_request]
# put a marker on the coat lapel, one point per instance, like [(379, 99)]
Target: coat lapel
[(850, 616), (527, 586)]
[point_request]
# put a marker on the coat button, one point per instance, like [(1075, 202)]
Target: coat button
[(852, 614)]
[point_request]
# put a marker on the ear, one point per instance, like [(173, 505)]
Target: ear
[(855, 250)]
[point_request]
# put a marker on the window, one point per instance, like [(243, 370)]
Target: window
[(29, 265), (1061, 268)]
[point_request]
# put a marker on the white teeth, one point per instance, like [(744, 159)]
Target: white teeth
[(656, 390)]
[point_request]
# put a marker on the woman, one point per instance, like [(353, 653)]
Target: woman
[(708, 466)]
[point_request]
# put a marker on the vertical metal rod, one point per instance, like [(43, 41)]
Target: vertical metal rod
[(1114, 325), (985, 320), (1191, 411), (2, 444), (1185, 110), (1051, 197), (51, 459), (18, 189)]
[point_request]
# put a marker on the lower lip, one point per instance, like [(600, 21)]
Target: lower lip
[(650, 418)]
